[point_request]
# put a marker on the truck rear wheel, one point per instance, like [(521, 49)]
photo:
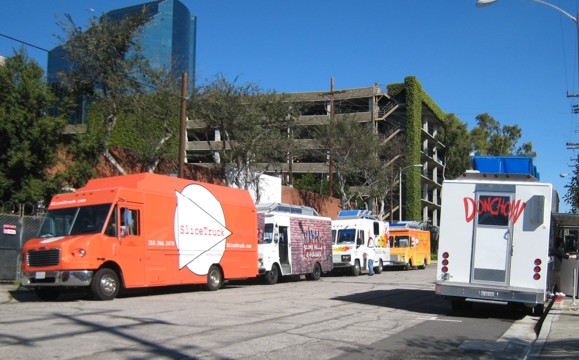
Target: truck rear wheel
[(105, 284), (423, 266), (536, 310), (316, 273), (356, 268), (271, 277), (214, 278)]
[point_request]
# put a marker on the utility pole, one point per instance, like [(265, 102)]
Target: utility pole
[(331, 169), (183, 132), (391, 195), (332, 113)]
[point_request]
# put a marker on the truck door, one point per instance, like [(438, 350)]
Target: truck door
[(131, 244), (492, 238), (283, 246)]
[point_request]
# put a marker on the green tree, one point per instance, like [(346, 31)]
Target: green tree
[(572, 196), (150, 128), (458, 146), (108, 67), (315, 183), (490, 138), (30, 137)]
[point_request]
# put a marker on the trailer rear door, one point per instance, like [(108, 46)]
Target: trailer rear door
[(492, 238)]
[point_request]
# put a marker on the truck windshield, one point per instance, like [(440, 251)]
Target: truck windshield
[(268, 234), (346, 236), (75, 220)]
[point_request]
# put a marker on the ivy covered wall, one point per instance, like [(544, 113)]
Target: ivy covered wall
[(415, 98)]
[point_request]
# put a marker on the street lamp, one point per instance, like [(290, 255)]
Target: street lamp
[(483, 3), (400, 188)]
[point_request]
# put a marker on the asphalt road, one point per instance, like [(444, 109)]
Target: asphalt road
[(393, 315)]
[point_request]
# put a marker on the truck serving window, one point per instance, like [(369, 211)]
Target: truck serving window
[(492, 210), (75, 221)]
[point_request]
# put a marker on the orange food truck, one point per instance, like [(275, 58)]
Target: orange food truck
[(142, 230), (409, 246)]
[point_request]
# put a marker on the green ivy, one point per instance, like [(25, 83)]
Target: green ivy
[(415, 98)]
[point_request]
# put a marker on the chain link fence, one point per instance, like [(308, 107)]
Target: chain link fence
[(18, 223)]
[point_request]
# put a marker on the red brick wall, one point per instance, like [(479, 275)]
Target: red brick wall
[(326, 206)]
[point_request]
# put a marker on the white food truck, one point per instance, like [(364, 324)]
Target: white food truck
[(495, 234), (293, 240), (353, 232)]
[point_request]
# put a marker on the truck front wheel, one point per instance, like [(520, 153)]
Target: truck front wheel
[(105, 284), (380, 267), (271, 277), (356, 268)]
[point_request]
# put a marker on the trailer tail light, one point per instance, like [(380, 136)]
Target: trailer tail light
[(445, 262), (537, 269)]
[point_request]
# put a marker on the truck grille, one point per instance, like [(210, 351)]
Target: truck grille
[(43, 257)]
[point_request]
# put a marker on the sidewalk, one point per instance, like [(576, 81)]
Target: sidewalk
[(559, 336)]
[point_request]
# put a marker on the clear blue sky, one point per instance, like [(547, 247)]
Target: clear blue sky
[(515, 60)]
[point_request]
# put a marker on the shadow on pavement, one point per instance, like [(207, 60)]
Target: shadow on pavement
[(427, 302)]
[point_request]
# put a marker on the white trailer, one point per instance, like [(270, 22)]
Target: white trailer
[(293, 240), (495, 235), (353, 231)]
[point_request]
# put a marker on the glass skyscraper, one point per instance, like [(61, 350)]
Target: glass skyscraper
[(167, 40)]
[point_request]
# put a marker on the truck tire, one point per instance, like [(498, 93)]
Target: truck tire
[(379, 268), (423, 266), (356, 268), (316, 273), (105, 284), (271, 277), (47, 294), (537, 310), (214, 278)]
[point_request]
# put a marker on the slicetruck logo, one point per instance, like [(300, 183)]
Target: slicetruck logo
[(200, 230)]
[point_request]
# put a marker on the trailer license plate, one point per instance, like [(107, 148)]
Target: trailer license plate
[(40, 275), (487, 293)]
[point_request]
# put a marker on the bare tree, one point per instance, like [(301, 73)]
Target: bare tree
[(247, 129)]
